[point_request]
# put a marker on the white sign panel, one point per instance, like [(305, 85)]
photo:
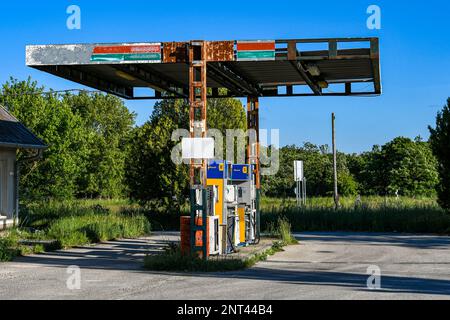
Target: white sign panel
[(198, 148), (298, 171)]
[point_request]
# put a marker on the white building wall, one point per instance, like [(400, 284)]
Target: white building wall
[(7, 187)]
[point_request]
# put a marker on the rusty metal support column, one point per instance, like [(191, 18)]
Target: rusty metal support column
[(198, 129), (197, 102), (253, 153)]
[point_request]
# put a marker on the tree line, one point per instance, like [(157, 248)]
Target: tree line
[(97, 151), (400, 167)]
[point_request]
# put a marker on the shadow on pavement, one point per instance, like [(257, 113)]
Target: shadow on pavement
[(389, 284), (112, 255)]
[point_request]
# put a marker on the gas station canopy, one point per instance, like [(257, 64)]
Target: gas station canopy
[(198, 70), (260, 68)]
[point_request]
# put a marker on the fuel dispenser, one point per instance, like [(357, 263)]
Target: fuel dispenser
[(234, 203), (229, 207), (205, 225), (243, 178), (225, 201)]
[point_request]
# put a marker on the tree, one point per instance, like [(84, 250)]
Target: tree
[(53, 121), (408, 167), (227, 113), (347, 185), (107, 125), (401, 165), (152, 178), (318, 172), (367, 169), (87, 135), (440, 143)]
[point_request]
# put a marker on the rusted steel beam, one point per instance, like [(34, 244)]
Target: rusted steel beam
[(323, 40), (219, 51), (309, 81), (198, 106), (73, 74), (292, 53), (175, 52), (154, 79), (331, 54), (216, 51), (332, 49), (375, 56), (229, 86), (272, 94), (253, 151), (298, 65), (251, 82), (224, 81), (348, 88), (325, 56), (198, 129), (234, 78)]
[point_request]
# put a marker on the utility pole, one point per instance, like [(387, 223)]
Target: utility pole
[(335, 175)]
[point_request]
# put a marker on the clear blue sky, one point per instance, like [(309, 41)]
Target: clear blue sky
[(415, 54)]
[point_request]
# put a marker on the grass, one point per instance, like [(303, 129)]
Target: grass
[(68, 224), (10, 246), (7, 250), (173, 260), (369, 202), (93, 228), (282, 231), (371, 214), (377, 214), (405, 220), (40, 215)]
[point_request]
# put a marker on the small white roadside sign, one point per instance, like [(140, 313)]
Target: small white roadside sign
[(298, 171), (198, 148)]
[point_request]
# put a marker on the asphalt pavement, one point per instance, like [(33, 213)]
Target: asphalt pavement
[(324, 266)]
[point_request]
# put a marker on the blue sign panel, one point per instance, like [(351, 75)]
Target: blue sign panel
[(217, 170), (240, 172)]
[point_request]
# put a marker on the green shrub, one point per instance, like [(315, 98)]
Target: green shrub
[(284, 230), (27, 250), (92, 228), (7, 249), (10, 245), (281, 229)]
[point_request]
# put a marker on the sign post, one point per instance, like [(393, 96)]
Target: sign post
[(299, 177)]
